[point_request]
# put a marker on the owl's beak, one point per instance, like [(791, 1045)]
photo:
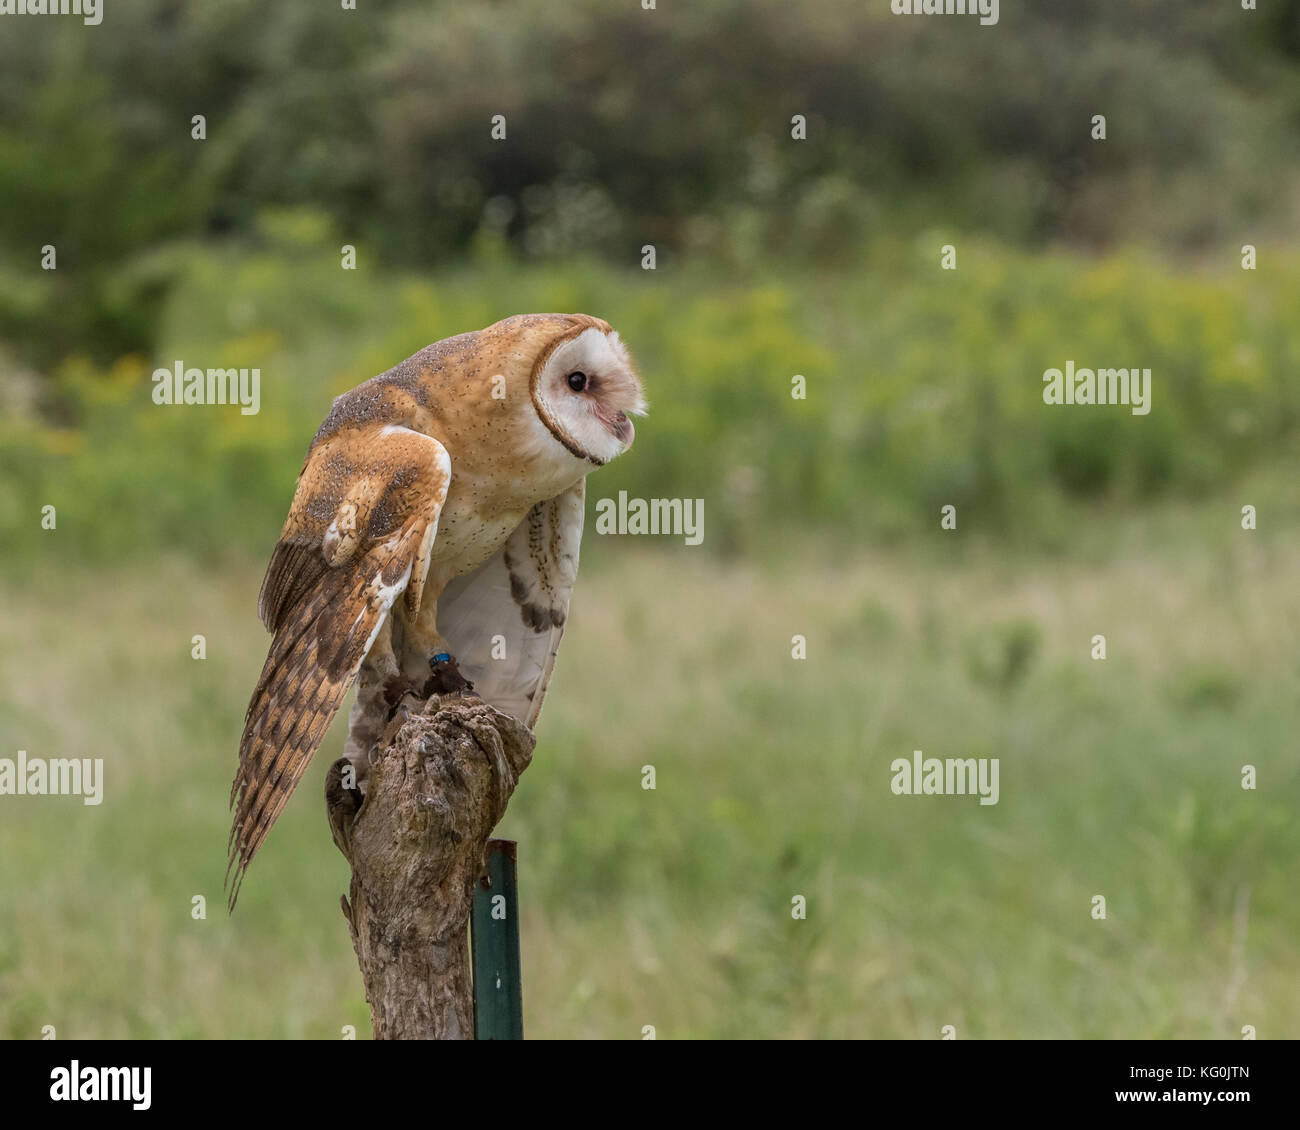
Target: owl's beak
[(623, 429)]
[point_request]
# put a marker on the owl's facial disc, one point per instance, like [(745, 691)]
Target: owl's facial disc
[(585, 391)]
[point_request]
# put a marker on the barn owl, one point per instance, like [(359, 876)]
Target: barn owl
[(433, 539)]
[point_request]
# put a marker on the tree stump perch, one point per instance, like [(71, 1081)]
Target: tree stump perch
[(436, 789)]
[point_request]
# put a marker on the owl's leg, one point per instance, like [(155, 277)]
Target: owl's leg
[(380, 688), (426, 656)]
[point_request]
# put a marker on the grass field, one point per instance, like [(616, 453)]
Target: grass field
[(672, 908), (846, 254)]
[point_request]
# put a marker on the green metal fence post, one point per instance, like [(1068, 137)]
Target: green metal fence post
[(494, 938)]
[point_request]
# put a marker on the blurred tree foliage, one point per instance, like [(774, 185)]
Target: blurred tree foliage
[(625, 127), (923, 390)]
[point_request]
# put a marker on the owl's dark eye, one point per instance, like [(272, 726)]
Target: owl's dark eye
[(577, 381)]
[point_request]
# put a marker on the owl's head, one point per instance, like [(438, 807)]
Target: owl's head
[(585, 389)]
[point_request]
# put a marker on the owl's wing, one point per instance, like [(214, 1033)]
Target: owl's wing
[(504, 619), (358, 535)]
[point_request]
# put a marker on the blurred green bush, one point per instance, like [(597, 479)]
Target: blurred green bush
[(924, 388)]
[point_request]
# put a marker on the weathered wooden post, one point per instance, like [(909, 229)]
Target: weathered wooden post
[(436, 788)]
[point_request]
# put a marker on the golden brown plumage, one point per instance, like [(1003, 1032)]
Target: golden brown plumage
[(454, 479), (358, 530)]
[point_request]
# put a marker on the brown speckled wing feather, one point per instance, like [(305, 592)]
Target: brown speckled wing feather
[(358, 535)]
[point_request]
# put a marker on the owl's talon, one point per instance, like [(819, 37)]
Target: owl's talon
[(445, 677), (342, 802), (395, 693)]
